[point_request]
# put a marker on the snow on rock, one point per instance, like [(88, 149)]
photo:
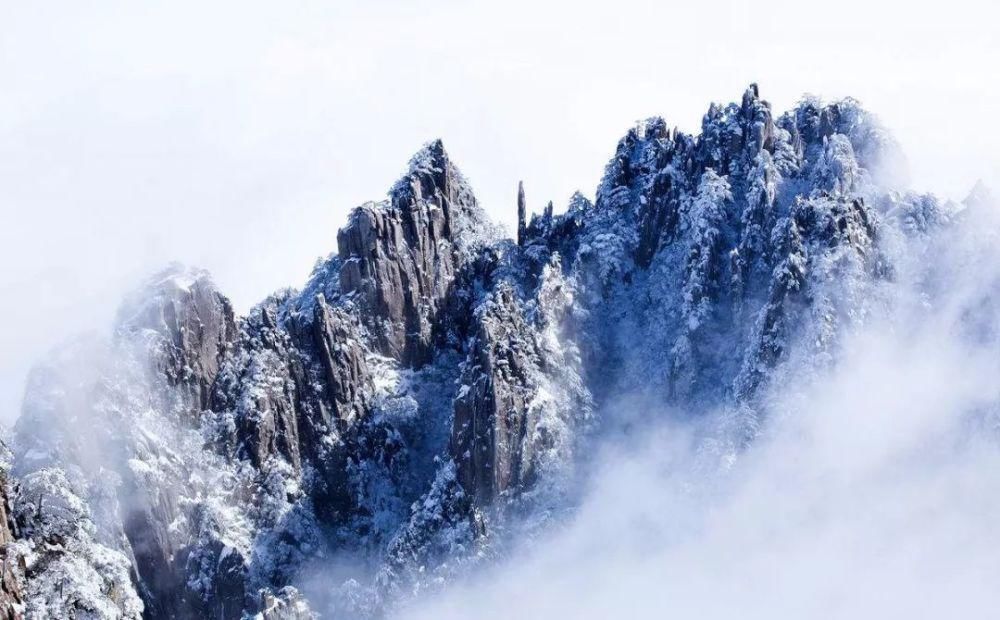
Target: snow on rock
[(432, 393)]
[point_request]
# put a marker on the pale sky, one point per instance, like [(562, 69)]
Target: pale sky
[(236, 135)]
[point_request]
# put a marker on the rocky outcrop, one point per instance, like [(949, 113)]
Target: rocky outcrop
[(11, 593), (266, 383), (188, 326), (348, 380), (521, 214), (72, 568), (12, 564), (291, 381), (400, 257), (287, 604), (491, 430)]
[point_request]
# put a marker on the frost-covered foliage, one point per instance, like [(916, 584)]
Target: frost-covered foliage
[(706, 217), (69, 572), (434, 393), (429, 167), (562, 405), (440, 527), (752, 218), (150, 499)]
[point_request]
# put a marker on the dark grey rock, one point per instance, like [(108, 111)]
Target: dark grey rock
[(400, 258), (521, 213), (489, 438), (189, 326)]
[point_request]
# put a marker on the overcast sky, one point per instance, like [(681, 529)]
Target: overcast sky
[(237, 135)]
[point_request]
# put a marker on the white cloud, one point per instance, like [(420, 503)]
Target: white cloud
[(871, 493)]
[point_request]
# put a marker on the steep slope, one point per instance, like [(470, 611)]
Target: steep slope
[(12, 575), (434, 382)]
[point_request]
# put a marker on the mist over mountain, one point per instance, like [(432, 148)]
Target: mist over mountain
[(755, 376)]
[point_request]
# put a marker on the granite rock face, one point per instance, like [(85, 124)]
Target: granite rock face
[(12, 566), (490, 435), (342, 356), (189, 327), (433, 381), (400, 257)]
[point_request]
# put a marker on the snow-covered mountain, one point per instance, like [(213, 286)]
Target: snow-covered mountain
[(432, 393)]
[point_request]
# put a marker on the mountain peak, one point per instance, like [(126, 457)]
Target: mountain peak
[(429, 169), (980, 195), (431, 156), (431, 374)]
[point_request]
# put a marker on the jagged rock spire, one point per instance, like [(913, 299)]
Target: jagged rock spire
[(521, 213), (399, 258), (193, 323), (429, 172)]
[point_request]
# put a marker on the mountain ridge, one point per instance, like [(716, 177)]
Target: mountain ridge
[(433, 381)]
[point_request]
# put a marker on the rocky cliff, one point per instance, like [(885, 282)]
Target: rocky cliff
[(434, 380)]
